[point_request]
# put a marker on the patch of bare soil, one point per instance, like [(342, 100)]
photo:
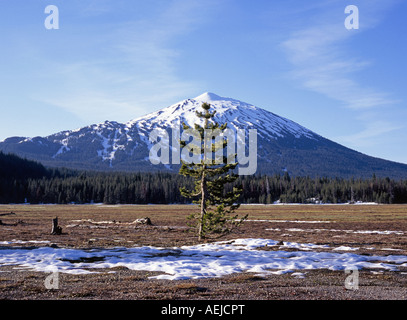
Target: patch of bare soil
[(368, 230)]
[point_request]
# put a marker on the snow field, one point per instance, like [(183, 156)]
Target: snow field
[(199, 261)]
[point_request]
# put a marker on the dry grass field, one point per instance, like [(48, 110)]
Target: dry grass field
[(368, 229)]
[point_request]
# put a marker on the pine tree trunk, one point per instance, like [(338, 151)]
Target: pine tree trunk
[(203, 206), (203, 188)]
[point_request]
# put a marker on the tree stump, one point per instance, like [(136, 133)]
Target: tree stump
[(56, 229)]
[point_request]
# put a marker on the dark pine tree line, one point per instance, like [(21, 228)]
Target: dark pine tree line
[(163, 188), (108, 188), (286, 189), (27, 181)]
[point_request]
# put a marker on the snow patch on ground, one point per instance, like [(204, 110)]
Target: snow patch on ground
[(200, 261), (23, 242), (384, 232), (291, 221)]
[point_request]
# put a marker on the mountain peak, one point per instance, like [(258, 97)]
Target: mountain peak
[(208, 97)]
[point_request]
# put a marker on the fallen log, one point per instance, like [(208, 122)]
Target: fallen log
[(145, 221), (7, 214)]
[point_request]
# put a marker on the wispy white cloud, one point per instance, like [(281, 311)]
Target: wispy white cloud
[(370, 134), (320, 64), (321, 58), (92, 8), (131, 68)]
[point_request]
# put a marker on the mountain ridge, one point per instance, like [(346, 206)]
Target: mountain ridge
[(283, 145)]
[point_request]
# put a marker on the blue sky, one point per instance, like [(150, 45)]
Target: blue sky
[(118, 60)]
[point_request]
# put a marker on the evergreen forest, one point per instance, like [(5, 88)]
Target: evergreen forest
[(26, 181)]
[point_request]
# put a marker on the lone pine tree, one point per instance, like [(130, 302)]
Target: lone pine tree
[(210, 177)]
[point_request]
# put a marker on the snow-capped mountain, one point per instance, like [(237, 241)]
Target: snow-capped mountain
[(236, 113), (282, 145)]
